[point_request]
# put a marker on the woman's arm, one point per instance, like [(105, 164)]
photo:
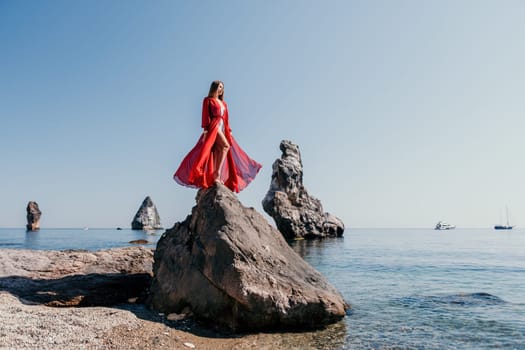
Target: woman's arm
[(206, 114)]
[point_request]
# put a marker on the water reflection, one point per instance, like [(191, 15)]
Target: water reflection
[(148, 237), (75, 238), (32, 238), (157, 233), (305, 247)]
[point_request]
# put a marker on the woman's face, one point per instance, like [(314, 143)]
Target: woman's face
[(220, 90)]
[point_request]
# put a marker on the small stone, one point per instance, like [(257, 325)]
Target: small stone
[(189, 345), (176, 317)]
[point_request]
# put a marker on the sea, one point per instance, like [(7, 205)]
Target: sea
[(408, 288)]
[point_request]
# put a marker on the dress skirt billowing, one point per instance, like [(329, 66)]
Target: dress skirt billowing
[(197, 168)]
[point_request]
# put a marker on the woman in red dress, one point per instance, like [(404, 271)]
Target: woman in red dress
[(216, 158)]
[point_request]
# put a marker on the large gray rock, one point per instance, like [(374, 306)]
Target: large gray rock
[(76, 278), (147, 217), (33, 216), (231, 269), (296, 213)]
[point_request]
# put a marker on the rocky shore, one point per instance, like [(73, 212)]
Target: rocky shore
[(132, 327), (215, 281), (35, 288)]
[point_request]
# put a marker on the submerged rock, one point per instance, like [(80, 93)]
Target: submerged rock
[(147, 217), (33, 216), (460, 299), (231, 269), (296, 213), (139, 241)]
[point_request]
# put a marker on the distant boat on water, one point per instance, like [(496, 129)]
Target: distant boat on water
[(444, 226), (508, 226)]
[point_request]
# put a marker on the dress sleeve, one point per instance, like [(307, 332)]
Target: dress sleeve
[(205, 113)]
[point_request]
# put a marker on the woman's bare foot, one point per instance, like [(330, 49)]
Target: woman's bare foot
[(217, 179)]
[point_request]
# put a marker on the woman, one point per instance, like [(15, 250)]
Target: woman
[(216, 158)]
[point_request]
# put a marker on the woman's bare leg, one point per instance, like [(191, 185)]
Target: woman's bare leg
[(216, 160), (220, 150)]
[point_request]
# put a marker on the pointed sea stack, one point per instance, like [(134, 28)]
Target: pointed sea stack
[(33, 216), (147, 217), (296, 213), (229, 268)]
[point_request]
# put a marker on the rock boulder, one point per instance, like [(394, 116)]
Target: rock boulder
[(147, 217), (76, 278), (227, 266), (33, 216), (296, 213)]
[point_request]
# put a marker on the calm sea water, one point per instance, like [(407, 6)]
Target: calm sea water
[(409, 288), (74, 238), (427, 289)]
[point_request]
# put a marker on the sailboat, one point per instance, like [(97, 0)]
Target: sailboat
[(507, 226)]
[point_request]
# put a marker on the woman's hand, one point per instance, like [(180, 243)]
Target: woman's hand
[(204, 134)]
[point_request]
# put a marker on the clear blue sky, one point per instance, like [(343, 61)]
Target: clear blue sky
[(406, 112)]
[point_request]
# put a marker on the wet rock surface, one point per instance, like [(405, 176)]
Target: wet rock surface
[(296, 213), (227, 266)]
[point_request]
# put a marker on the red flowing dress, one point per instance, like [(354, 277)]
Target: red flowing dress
[(196, 169)]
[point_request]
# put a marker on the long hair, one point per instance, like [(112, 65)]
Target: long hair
[(214, 87)]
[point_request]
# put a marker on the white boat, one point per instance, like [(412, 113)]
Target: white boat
[(444, 226)]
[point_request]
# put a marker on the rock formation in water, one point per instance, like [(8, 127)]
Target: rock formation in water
[(296, 213), (147, 217), (77, 278), (33, 216), (228, 267)]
